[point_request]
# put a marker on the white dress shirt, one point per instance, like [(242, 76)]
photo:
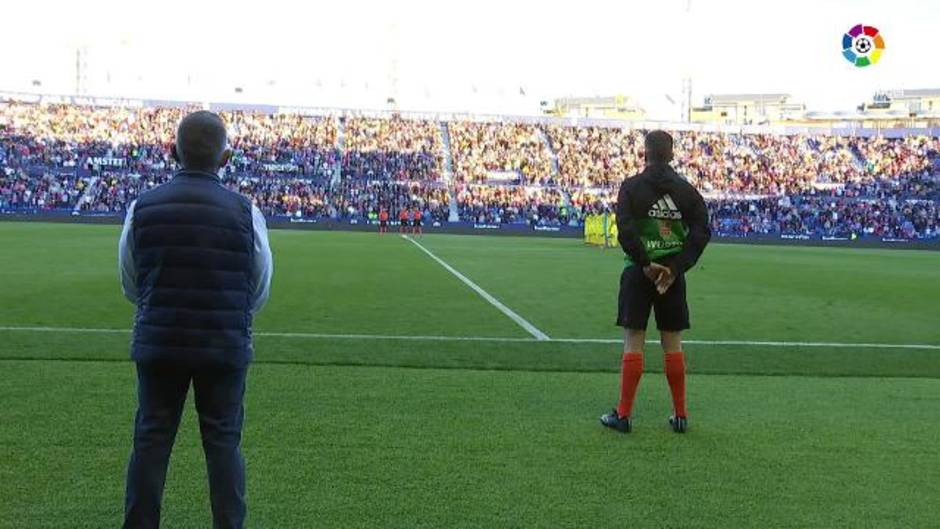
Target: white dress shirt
[(262, 264)]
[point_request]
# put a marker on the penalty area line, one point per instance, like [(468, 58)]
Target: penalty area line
[(522, 322), (496, 339)]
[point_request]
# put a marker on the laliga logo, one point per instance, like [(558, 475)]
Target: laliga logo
[(862, 45)]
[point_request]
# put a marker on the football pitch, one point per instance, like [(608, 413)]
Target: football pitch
[(456, 381)]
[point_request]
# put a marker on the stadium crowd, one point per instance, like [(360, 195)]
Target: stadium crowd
[(363, 200), (392, 149), (293, 197), (885, 158), (918, 186), (812, 215), (113, 192), (536, 206), (46, 190), (595, 156), (282, 144), (98, 159), (500, 152), (97, 139)]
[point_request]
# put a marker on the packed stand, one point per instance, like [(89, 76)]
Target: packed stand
[(48, 190), (113, 192), (282, 145), (79, 125), (392, 149), (536, 206), (99, 159), (734, 164), (363, 200), (823, 216), (596, 156), (593, 201), (138, 140), (717, 162), (292, 197), (893, 157), (86, 137), (494, 151)]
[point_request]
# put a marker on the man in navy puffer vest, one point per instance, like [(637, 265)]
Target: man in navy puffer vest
[(194, 258)]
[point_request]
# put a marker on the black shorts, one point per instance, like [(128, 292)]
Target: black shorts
[(383, 223), (416, 223), (638, 294)]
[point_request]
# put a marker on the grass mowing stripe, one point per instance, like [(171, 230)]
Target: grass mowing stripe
[(533, 355), (315, 336), (531, 329), (512, 450)]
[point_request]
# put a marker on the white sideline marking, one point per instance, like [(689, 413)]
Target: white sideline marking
[(531, 329), (420, 338)]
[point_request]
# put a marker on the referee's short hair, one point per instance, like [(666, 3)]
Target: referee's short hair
[(658, 146)]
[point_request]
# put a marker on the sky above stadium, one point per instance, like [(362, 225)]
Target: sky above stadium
[(479, 56)]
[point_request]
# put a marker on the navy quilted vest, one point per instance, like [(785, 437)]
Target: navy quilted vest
[(193, 246)]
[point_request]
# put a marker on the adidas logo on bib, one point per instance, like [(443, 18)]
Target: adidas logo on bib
[(665, 208)]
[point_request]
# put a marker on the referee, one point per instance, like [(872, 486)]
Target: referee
[(662, 225)]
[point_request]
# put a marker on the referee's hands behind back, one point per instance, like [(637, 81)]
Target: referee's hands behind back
[(660, 275)]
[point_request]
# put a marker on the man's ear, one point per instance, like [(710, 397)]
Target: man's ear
[(175, 154), (226, 156)]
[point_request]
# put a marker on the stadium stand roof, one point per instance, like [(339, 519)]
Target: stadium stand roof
[(914, 93), (716, 99), (599, 100), (476, 117)]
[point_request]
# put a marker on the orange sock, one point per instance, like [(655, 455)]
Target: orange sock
[(630, 375), (675, 374)]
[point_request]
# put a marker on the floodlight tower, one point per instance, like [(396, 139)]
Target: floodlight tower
[(393, 47), (81, 69), (686, 102)]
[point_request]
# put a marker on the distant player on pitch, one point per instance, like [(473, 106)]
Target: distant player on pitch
[(662, 225), (383, 220), (403, 220), (416, 221)]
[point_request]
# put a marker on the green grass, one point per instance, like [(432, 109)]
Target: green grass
[(342, 432)]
